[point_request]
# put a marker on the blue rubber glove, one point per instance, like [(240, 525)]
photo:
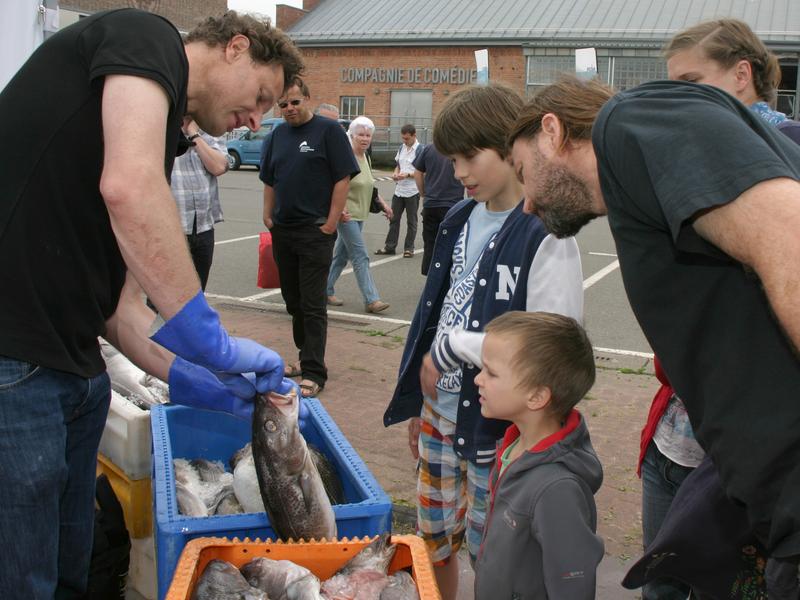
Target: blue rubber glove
[(193, 385), (196, 335)]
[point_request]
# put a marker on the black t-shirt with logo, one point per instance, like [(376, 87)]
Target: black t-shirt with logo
[(61, 271), (442, 189), (303, 164), (667, 151)]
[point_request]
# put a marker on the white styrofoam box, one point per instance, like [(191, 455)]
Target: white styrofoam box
[(142, 570), (126, 437)]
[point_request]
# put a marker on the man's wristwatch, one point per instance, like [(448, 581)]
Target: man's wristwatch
[(193, 137)]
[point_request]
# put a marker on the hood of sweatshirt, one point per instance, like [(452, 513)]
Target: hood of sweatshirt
[(570, 446)]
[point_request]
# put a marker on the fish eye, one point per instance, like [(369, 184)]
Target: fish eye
[(270, 425)]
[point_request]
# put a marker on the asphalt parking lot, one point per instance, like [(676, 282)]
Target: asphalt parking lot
[(608, 318)]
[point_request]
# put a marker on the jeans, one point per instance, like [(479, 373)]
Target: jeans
[(350, 245), (432, 217), (661, 479), (410, 205), (50, 426), (201, 247), (303, 255)]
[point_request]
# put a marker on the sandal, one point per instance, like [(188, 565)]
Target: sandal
[(309, 389), (408, 254), (292, 370)]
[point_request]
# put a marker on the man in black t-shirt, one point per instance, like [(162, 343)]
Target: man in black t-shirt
[(87, 222), (702, 198), (440, 191), (306, 170)]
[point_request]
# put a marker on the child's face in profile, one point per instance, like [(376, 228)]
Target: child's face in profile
[(485, 174), (498, 384)]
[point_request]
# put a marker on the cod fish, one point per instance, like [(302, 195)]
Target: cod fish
[(222, 581), (364, 576), (330, 479), (245, 480), (291, 487), (282, 579)]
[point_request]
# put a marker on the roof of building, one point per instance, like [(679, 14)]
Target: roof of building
[(549, 22)]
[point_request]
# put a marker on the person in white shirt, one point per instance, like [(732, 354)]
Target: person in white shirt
[(406, 194)]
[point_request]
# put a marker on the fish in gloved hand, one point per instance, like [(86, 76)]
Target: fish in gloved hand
[(291, 487), (245, 479), (222, 581)]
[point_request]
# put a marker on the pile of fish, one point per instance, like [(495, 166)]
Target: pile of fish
[(363, 577), (204, 488), (130, 382), (278, 473)]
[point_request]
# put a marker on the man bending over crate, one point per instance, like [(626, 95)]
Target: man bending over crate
[(87, 222)]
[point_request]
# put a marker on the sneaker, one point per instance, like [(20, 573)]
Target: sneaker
[(382, 251), (334, 301), (377, 306)]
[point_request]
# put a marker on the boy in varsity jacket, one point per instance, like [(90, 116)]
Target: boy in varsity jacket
[(489, 258)]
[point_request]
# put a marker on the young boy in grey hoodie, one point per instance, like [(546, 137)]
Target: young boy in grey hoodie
[(540, 537)]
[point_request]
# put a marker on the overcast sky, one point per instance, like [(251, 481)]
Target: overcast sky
[(264, 7)]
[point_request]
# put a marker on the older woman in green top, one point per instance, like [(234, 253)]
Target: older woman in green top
[(350, 242)]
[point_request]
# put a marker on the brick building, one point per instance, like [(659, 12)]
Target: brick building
[(398, 61), (184, 14)]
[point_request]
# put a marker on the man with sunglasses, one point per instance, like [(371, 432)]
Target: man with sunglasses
[(306, 170)]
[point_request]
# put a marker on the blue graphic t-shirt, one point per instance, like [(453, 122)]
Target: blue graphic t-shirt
[(479, 230)]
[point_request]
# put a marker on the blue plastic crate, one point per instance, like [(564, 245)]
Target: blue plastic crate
[(184, 432)]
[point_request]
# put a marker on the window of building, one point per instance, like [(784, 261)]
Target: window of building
[(630, 71), (351, 106), (543, 70)]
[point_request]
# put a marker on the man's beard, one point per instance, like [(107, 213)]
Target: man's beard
[(567, 201)]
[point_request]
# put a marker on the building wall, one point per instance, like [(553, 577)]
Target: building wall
[(184, 14), (328, 83)]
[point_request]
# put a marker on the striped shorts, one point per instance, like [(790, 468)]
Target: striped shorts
[(451, 492)]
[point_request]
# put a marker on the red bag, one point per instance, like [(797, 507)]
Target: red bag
[(267, 269)]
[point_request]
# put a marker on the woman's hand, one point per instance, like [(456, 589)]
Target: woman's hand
[(387, 210), (345, 216)]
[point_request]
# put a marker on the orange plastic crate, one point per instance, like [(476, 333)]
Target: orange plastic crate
[(321, 558)]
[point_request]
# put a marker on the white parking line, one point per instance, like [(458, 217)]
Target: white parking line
[(239, 239), (602, 254), (590, 281), (624, 352), (587, 283), (381, 319)]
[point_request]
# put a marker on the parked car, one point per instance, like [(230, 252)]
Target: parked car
[(246, 148)]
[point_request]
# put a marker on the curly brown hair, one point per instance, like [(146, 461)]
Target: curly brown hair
[(268, 45)]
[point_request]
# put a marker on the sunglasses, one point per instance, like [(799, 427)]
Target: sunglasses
[(284, 104)]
